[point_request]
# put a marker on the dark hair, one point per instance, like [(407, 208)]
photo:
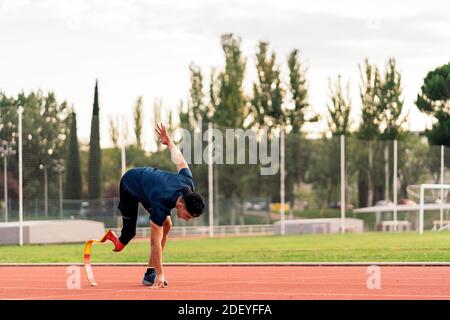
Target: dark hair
[(193, 201)]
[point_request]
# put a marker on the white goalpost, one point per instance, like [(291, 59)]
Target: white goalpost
[(434, 206)]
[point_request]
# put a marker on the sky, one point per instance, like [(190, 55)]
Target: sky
[(144, 48)]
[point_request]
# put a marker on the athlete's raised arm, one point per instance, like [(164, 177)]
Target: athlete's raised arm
[(175, 153)]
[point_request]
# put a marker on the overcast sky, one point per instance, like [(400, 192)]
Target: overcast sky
[(143, 47)]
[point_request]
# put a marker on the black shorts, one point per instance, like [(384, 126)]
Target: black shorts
[(128, 205)]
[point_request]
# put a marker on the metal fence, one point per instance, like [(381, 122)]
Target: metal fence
[(203, 231), (323, 178)]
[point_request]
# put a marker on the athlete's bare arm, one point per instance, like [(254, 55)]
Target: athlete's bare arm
[(157, 234), (175, 153)]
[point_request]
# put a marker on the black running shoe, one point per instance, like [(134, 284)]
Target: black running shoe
[(149, 277)]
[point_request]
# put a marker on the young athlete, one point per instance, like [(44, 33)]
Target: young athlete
[(158, 191)]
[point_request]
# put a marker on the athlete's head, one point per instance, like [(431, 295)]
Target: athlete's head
[(190, 205)]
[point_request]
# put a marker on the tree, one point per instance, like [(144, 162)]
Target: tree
[(214, 87), (339, 109), (138, 120), (434, 100), (370, 100), (196, 95), (368, 129), (297, 147), (323, 174), (391, 103), (299, 91), (339, 124), (114, 131), (390, 111), (157, 110), (73, 185), (267, 92), (45, 124), (415, 161), (229, 110), (185, 118), (95, 153), (267, 107)]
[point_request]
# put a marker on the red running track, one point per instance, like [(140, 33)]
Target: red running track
[(229, 283)]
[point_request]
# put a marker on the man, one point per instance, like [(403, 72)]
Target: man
[(158, 191)]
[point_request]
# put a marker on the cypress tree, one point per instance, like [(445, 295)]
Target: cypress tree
[(95, 155), (73, 185)]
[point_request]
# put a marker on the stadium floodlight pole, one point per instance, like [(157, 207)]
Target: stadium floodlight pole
[(421, 209), (19, 113), (210, 181), (342, 183), (122, 145), (282, 177), (395, 186), (59, 167), (6, 151), (44, 167), (5, 184), (441, 211)]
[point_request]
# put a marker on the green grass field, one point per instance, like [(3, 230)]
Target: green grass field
[(366, 247)]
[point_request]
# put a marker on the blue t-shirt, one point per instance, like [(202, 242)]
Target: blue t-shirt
[(156, 189)]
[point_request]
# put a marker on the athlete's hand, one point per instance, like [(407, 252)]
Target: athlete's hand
[(162, 134), (159, 282)]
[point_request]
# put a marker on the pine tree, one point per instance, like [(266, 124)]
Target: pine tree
[(434, 100), (73, 184), (95, 155)]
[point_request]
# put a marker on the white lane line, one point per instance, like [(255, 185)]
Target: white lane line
[(251, 293)]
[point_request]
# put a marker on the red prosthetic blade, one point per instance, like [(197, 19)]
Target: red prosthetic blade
[(109, 235)]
